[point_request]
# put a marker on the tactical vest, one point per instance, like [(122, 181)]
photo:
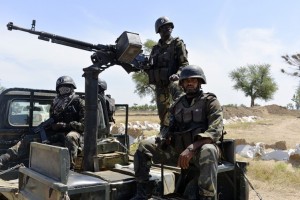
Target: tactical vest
[(189, 120), (71, 112), (163, 60)]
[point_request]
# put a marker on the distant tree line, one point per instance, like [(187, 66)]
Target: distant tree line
[(144, 107)]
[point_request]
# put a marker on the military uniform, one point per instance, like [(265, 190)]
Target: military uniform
[(201, 117), (166, 58)]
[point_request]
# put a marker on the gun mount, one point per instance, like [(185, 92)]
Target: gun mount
[(124, 52)]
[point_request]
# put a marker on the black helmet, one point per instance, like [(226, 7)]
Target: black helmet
[(192, 71), (102, 84), (162, 21), (65, 80)]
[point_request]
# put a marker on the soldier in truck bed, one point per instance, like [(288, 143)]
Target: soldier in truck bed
[(67, 110), (196, 124), (106, 109), (167, 59)]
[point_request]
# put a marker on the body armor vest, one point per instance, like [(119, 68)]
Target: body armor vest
[(70, 113), (189, 120), (163, 60)]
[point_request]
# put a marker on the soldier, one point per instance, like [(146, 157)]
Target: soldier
[(196, 124), (106, 109), (67, 110), (166, 61)]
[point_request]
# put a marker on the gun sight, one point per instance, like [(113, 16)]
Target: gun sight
[(10, 26)]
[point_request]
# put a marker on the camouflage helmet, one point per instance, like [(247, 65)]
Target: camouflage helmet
[(65, 80), (162, 21), (192, 71), (102, 84)]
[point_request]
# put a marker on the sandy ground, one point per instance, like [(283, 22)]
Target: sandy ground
[(273, 128)]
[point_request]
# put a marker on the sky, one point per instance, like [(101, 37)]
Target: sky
[(220, 36)]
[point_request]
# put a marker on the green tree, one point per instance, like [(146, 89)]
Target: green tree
[(140, 78), (293, 60), (296, 98), (255, 81)]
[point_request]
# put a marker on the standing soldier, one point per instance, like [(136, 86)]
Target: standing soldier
[(166, 60), (196, 124)]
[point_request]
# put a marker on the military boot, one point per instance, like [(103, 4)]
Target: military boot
[(141, 191), (4, 158)]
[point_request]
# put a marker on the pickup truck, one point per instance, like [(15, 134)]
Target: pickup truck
[(45, 174)]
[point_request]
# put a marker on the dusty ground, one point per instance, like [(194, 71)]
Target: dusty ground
[(277, 127)]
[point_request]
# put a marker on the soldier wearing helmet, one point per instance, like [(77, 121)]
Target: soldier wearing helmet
[(106, 109), (67, 111), (196, 124), (167, 58)]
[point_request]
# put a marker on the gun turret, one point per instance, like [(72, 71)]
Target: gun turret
[(124, 52)]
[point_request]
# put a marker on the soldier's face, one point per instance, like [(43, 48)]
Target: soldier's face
[(165, 30), (191, 85), (65, 90)]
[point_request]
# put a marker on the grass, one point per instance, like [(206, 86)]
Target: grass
[(247, 125), (274, 173)]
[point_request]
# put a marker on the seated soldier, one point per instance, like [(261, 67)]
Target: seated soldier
[(67, 111), (107, 104), (196, 124)]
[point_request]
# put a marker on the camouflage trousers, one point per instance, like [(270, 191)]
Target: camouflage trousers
[(205, 163), (165, 96), (72, 140)]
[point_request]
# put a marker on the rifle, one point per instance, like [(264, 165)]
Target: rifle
[(126, 52), (40, 129)]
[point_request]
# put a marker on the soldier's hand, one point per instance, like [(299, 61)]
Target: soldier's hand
[(174, 77), (184, 158)]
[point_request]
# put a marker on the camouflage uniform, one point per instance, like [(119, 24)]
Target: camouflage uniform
[(202, 117), (166, 59), (70, 136)]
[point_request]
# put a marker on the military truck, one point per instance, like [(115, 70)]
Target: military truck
[(46, 175), (104, 170)]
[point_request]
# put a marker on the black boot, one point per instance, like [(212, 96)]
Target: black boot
[(141, 191), (4, 158)]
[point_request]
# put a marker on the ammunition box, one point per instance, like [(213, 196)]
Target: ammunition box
[(108, 160)]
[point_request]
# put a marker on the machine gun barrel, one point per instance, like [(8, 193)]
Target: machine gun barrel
[(59, 39), (126, 52)]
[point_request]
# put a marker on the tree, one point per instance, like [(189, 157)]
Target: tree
[(255, 81), (293, 60), (142, 88), (296, 98)]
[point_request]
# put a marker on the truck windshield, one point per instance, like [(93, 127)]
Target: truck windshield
[(19, 111)]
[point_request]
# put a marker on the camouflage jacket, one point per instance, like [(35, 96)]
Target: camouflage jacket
[(167, 58)]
